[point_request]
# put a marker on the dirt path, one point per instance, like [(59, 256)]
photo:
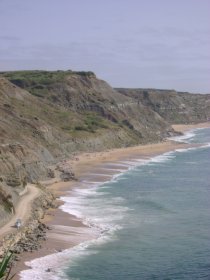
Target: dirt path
[(22, 210)]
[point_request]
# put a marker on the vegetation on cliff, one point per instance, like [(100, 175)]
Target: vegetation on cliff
[(4, 267), (5, 200), (38, 82)]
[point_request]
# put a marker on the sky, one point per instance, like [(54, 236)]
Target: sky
[(129, 43)]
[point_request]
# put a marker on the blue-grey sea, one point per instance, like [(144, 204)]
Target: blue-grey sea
[(154, 219)]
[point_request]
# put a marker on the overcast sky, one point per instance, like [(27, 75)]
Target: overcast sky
[(129, 43)]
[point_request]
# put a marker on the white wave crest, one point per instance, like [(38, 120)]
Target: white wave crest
[(184, 138)]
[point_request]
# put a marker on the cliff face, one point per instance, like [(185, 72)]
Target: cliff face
[(174, 107), (91, 104), (47, 116)]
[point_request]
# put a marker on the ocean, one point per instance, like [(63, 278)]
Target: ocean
[(153, 220)]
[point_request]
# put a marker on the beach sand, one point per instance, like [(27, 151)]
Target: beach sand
[(187, 127), (67, 230)]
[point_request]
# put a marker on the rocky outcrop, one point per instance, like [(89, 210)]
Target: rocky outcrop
[(65, 171)]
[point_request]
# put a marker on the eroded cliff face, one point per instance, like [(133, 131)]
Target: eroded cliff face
[(174, 107), (48, 116)]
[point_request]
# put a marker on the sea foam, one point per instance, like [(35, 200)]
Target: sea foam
[(184, 138)]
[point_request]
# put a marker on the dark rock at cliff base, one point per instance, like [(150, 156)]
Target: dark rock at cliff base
[(67, 176), (50, 173)]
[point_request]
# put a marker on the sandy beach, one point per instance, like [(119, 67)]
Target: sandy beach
[(67, 230), (186, 127)]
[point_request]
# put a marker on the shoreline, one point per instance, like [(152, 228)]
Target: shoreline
[(59, 239), (186, 127)]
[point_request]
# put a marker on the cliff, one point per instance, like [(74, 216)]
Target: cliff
[(47, 116), (174, 107)]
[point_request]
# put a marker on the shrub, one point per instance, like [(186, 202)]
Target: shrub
[(5, 270)]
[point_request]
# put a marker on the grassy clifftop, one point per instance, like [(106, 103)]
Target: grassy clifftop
[(93, 102), (37, 82)]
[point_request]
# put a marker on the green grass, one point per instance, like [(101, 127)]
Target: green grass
[(4, 267), (89, 122), (92, 122), (39, 78), (38, 82)]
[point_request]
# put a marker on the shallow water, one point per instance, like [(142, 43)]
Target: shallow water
[(153, 220)]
